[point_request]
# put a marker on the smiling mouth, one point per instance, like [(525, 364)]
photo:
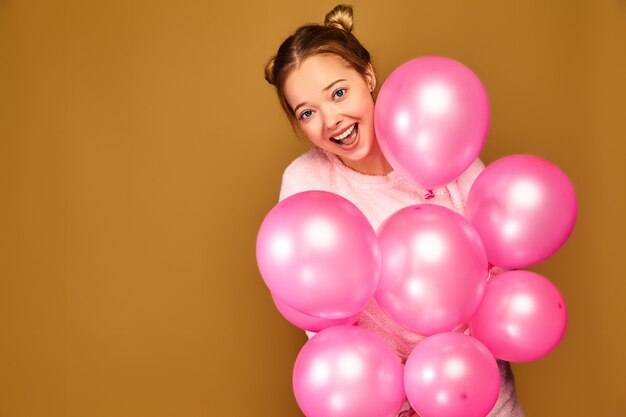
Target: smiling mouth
[(349, 138)]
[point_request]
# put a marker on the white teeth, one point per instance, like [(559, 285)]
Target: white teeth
[(346, 133)]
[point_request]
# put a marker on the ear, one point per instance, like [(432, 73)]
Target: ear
[(370, 77)]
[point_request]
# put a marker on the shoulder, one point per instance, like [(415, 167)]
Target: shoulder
[(459, 189), (305, 163), (309, 171), (467, 178), (475, 169)]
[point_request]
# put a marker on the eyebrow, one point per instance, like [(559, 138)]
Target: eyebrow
[(326, 88)]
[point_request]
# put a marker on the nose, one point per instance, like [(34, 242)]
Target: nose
[(332, 118)]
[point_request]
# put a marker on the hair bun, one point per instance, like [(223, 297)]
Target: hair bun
[(269, 71), (340, 17)]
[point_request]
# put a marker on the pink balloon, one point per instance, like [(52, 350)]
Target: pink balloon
[(451, 375), (347, 371), (306, 322), (434, 268), (317, 252), (524, 209), (522, 317), (431, 120)]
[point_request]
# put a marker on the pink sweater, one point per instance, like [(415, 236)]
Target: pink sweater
[(378, 196)]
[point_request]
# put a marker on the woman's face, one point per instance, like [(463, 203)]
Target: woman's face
[(333, 105)]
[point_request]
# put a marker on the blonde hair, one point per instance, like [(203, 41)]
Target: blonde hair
[(333, 37)]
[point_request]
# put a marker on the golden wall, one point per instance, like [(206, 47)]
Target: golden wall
[(140, 149)]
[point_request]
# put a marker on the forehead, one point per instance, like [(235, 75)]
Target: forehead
[(307, 80)]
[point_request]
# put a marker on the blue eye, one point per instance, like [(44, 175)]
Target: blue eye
[(340, 93), (305, 114)]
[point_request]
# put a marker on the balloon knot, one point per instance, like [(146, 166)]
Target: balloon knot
[(429, 195)]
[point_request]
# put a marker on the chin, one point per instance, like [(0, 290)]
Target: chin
[(362, 151)]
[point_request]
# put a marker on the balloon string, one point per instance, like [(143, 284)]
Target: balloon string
[(429, 195)]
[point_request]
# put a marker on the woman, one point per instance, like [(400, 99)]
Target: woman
[(325, 82)]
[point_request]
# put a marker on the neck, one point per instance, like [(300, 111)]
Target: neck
[(374, 163)]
